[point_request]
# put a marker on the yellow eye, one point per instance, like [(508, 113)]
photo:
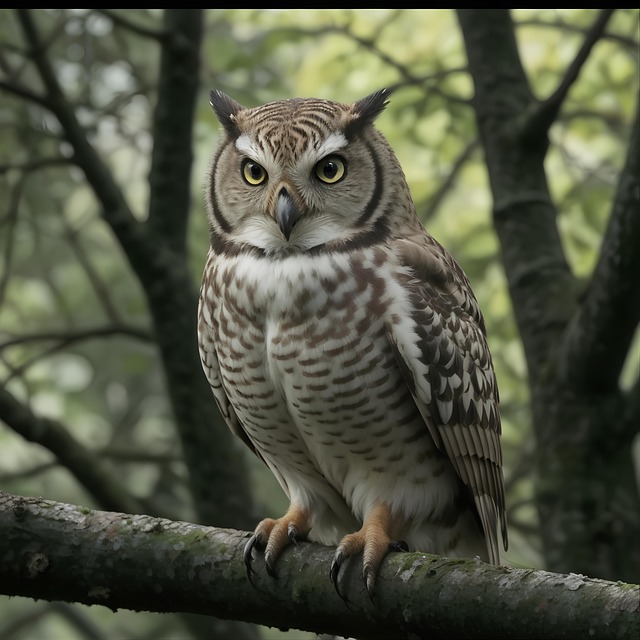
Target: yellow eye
[(253, 173), (331, 169)]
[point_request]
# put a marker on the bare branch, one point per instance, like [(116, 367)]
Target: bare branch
[(115, 208), (11, 220), (36, 470), (83, 463), (138, 456), (366, 43), (143, 563), (563, 25), (430, 81), (66, 338), (449, 182), (119, 20), (35, 165), (407, 78), (100, 289), (24, 93), (540, 119)]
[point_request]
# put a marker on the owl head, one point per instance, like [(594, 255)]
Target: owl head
[(302, 174)]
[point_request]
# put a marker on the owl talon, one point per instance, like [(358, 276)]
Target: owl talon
[(271, 572), (336, 563), (334, 572), (247, 554), (273, 536), (369, 576)]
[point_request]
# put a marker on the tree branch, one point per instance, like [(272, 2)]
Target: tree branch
[(34, 165), (83, 463), (139, 29), (172, 298), (100, 288), (447, 184), (540, 119), (115, 209), (11, 221), (598, 339), (65, 338), (51, 550), (563, 25), (170, 175), (24, 92)]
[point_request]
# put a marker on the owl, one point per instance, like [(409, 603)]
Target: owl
[(343, 344)]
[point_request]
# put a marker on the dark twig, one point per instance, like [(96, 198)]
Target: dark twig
[(99, 287), (119, 20), (540, 119), (11, 219), (66, 338), (447, 184), (82, 462), (23, 92), (31, 472), (115, 208), (572, 28)]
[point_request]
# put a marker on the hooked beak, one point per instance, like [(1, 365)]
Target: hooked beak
[(286, 213)]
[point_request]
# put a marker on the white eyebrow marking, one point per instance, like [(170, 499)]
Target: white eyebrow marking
[(332, 143), (245, 145)]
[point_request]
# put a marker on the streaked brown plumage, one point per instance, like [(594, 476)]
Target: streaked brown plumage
[(344, 344)]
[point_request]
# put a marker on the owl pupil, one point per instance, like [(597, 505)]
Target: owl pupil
[(256, 171), (330, 170)]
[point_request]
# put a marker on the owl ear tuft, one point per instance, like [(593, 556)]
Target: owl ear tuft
[(226, 109), (365, 111)]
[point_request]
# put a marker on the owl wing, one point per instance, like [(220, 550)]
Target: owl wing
[(209, 360), (446, 362)]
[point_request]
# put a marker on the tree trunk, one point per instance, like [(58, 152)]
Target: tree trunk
[(575, 341)]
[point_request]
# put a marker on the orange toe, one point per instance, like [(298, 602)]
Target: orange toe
[(375, 539), (273, 535)]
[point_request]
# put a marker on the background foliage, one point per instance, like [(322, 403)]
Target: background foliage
[(77, 343)]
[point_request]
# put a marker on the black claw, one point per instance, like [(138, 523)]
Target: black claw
[(369, 581), (399, 545), (334, 572), (247, 553), (247, 556), (270, 569), (292, 534)]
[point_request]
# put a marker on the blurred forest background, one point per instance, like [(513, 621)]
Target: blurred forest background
[(106, 137)]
